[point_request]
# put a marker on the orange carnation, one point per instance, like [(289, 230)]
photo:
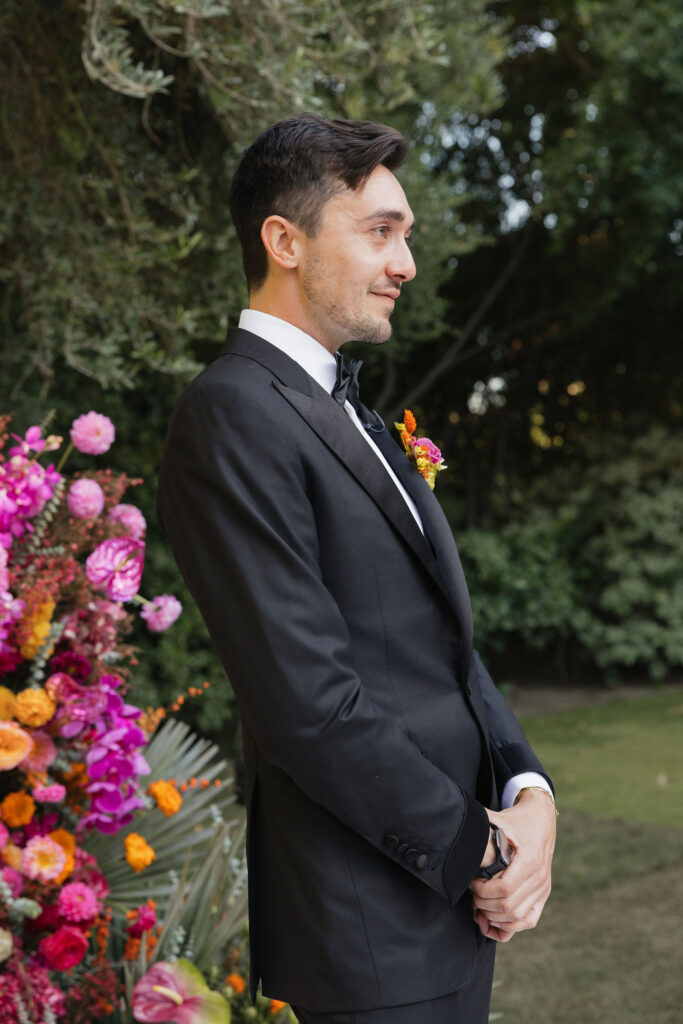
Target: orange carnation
[(167, 797), (139, 853), (15, 745), (36, 628), (68, 843), (17, 809), (236, 982), (11, 856), (276, 1005), (35, 707)]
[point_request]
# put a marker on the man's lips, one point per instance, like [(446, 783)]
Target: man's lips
[(392, 293)]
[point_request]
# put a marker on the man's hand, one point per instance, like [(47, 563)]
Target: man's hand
[(512, 901)]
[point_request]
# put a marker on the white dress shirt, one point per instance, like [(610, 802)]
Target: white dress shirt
[(320, 364)]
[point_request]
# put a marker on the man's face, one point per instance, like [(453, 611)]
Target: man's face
[(352, 271)]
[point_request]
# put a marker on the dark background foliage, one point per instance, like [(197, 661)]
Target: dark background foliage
[(540, 344)]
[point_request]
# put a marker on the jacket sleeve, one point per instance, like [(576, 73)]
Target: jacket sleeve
[(511, 753), (233, 501)]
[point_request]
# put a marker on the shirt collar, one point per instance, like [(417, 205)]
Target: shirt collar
[(299, 346)]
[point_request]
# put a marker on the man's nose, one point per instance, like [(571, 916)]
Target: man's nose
[(402, 264)]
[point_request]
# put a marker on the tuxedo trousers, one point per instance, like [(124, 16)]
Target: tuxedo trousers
[(467, 1005)]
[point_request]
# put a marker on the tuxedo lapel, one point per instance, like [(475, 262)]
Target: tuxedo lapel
[(342, 437), (438, 532)]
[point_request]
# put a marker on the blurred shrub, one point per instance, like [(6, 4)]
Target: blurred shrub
[(596, 555)]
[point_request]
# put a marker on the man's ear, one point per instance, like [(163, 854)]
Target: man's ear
[(281, 239)]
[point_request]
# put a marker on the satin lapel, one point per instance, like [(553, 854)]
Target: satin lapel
[(335, 429), (439, 533)]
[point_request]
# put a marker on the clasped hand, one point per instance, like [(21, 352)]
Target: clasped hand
[(512, 901)]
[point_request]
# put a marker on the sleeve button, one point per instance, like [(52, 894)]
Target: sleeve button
[(391, 841), (421, 862), (410, 855)]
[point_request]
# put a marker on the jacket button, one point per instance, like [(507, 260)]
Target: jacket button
[(391, 841), (421, 862), (410, 855)]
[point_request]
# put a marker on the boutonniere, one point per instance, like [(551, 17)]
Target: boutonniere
[(422, 452)]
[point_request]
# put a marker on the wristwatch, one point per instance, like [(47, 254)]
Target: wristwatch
[(503, 854)]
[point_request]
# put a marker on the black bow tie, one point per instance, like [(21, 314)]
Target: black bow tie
[(346, 385)]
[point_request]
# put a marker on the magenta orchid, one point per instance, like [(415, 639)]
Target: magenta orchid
[(176, 993)]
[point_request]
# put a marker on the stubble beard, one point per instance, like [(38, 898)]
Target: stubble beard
[(346, 324)]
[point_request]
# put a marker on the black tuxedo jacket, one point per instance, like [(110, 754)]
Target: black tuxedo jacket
[(373, 735)]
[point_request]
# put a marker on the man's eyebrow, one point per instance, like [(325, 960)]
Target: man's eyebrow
[(397, 215)]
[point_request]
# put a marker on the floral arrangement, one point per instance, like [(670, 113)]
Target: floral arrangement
[(422, 452), (122, 868)]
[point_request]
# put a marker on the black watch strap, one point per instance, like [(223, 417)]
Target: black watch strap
[(502, 856)]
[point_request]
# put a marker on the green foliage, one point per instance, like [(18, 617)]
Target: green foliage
[(594, 556), (520, 581)]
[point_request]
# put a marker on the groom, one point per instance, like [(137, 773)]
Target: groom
[(384, 770)]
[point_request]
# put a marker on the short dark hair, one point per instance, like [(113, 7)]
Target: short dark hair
[(295, 167)]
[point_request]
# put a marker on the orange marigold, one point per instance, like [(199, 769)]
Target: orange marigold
[(35, 707), (276, 1005), (167, 797), (36, 624), (236, 982), (17, 809), (8, 703), (15, 745), (409, 421), (139, 853)]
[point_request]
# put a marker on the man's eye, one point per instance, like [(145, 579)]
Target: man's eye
[(409, 240), (382, 230)]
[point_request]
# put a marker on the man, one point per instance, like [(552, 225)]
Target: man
[(376, 747)]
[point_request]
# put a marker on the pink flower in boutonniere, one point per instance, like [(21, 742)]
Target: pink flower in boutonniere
[(422, 452)]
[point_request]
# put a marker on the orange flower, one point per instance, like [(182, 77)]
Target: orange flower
[(139, 853), (236, 982), (8, 703), (68, 844), (276, 1005), (15, 745), (167, 797), (35, 707), (17, 809), (11, 855), (36, 623), (409, 421)]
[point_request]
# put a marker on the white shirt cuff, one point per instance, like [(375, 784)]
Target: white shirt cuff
[(515, 785)]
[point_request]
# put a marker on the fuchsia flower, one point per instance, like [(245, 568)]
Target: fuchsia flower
[(429, 449), (176, 992), (77, 902), (116, 566), (130, 518), (146, 919), (92, 433), (161, 613), (85, 499)]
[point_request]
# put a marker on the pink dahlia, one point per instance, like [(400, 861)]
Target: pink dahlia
[(53, 794), (131, 519), (92, 433), (43, 753), (77, 902), (161, 613), (116, 566), (43, 859), (85, 498)]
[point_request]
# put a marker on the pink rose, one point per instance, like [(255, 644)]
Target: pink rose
[(43, 753), (85, 499), (92, 433), (161, 613), (429, 449), (64, 948), (131, 519), (116, 566)]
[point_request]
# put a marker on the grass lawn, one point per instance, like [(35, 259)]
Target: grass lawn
[(609, 948)]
